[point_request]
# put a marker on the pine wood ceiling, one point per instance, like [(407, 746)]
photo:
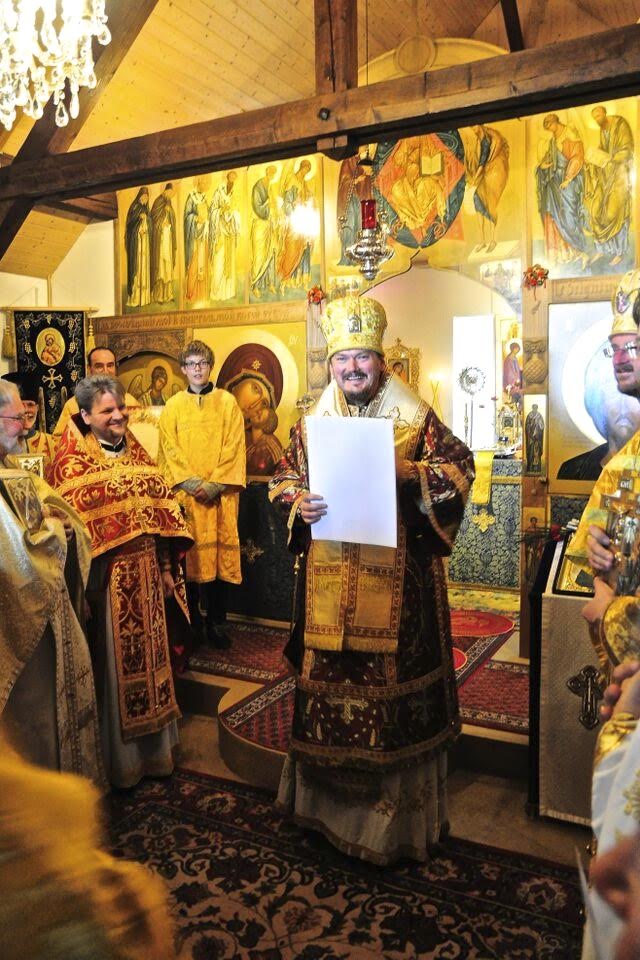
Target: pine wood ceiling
[(201, 59)]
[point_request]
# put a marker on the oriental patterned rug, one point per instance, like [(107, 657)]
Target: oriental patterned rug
[(264, 717), (255, 654), (246, 883), (497, 696)]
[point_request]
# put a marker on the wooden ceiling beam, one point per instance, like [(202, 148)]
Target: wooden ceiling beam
[(126, 19), (103, 207), (601, 66), (13, 214), (512, 24)]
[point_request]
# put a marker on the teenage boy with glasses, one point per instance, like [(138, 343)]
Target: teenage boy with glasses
[(202, 456)]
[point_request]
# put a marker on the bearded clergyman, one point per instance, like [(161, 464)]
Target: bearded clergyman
[(376, 704)]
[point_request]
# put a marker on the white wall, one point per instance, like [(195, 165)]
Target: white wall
[(473, 417), (421, 305), (86, 276)]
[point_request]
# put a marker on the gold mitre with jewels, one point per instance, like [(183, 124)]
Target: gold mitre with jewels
[(354, 322), (623, 303)]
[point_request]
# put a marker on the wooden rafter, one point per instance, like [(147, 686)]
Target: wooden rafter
[(126, 19), (603, 66), (336, 53), (103, 207), (512, 24), (336, 33)]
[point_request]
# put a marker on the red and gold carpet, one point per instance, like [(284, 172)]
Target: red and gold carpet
[(255, 654), (264, 717), (492, 694), (246, 883), (497, 696)]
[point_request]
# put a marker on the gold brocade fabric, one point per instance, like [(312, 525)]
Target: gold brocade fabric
[(618, 637), (203, 435), (118, 498), (627, 458), (33, 554), (41, 444), (354, 591), (612, 734), (481, 493), (620, 629), (126, 506), (145, 683), (34, 592)]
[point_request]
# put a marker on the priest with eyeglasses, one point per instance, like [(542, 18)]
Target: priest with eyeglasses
[(47, 699)]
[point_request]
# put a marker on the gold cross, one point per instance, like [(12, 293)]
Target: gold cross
[(347, 705)]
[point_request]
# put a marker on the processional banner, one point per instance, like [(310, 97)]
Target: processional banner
[(50, 348)]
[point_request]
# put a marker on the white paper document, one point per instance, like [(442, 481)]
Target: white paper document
[(352, 466)]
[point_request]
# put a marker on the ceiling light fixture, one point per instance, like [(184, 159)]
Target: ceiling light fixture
[(45, 44)]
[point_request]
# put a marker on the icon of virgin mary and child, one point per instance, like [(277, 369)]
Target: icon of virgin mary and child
[(253, 374)]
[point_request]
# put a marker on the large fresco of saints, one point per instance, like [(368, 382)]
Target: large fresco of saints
[(150, 249), (222, 239), (212, 219), (556, 188), (583, 189), (450, 199), (284, 260)]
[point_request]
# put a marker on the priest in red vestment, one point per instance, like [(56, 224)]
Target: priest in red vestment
[(137, 536)]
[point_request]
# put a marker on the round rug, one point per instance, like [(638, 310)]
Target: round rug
[(479, 623), (459, 658)]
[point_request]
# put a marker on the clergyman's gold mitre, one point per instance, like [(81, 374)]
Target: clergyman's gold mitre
[(623, 303), (354, 322)]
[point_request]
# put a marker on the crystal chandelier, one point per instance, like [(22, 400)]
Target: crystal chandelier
[(44, 44)]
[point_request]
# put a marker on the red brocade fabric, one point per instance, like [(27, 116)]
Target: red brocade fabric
[(118, 499)]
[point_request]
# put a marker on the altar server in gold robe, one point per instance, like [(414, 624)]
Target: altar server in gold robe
[(202, 456)]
